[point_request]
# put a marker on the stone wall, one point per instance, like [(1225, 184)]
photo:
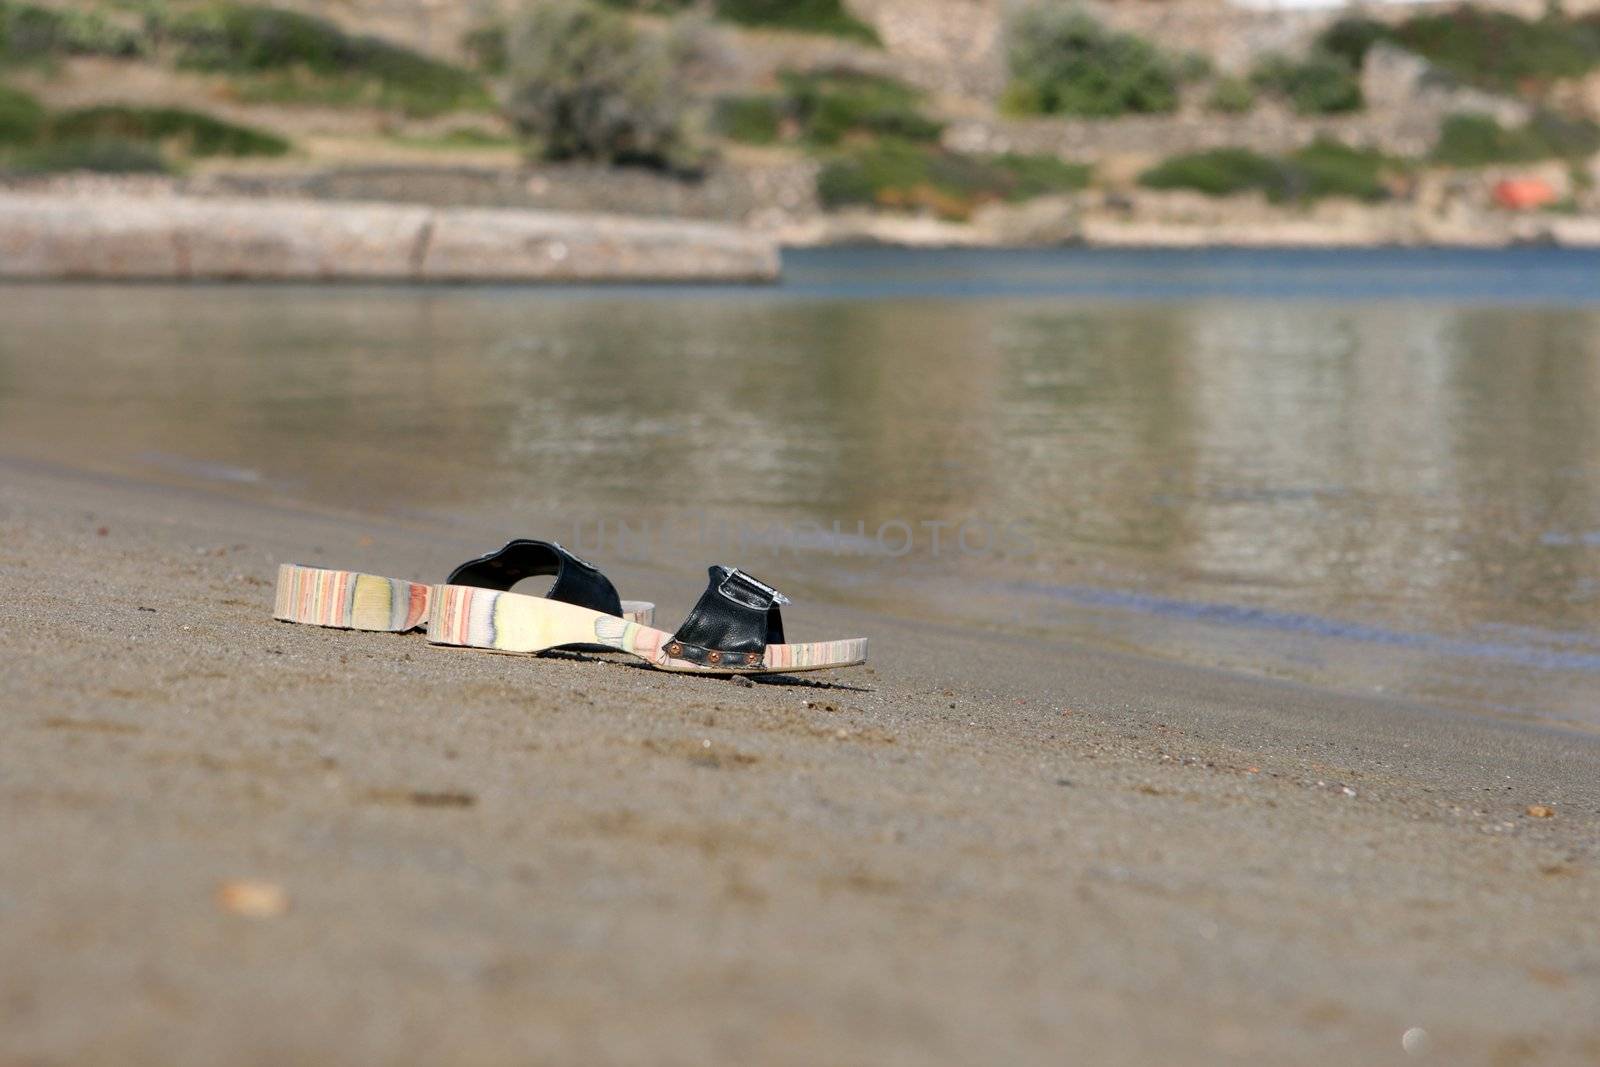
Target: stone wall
[(123, 237), (742, 194)]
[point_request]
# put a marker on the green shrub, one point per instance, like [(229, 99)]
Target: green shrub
[(1330, 168), (1231, 96), (1195, 67), (653, 7), (485, 45), (199, 135), (21, 117), (804, 16), (826, 107), (906, 176), (1219, 172), (832, 105), (1030, 176), (458, 137), (1352, 38), (29, 33), (1471, 140), (1324, 168), (253, 40), (1320, 84), (827, 17), (586, 85), (104, 155), (749, 119), (1063, 62), (1500, 51)]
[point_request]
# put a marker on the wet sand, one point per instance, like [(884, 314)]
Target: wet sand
[(981, 849)]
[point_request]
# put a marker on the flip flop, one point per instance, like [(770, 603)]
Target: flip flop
[(351, 600), (735, 628)]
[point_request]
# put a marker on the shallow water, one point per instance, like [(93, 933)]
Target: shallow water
[(1375, 470)]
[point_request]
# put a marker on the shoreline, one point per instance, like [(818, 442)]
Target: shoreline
[(979, 846), (412, 232), (45, 237)]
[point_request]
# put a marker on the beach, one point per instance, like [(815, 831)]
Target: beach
[(981, 847)]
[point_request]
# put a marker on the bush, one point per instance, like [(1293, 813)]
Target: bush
[(247, 39), (1500, 51), (103, 155), (1063, 62), (586, 85), (827, 17), (29, 33), (1352, 38), (485, 45), (1324, 168), (1195, 67), (653, 7), (832, 105), (200, 135), (805, 16), (750, 119), (1320, 84), (1330, 168), (1031, 176), (1232, 96), (824, 108), (21, 117), (1470, 140), (906, 176), (1219, 172)]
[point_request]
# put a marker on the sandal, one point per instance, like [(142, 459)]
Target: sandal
[(350, 600), (735, 628)]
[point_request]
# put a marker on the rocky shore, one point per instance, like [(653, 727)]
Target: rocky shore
[(1189, 220), (111, 236), (406, 225)]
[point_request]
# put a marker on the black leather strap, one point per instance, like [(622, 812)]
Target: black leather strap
[(577, 581), (735, 620)]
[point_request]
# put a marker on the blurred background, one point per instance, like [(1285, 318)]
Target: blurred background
[(816, 121)]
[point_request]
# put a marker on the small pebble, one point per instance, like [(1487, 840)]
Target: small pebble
[(1540, 811), (1414, 1041), (253, 900)]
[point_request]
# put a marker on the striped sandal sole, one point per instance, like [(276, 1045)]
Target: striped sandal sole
[(469, 617), (351, 600)]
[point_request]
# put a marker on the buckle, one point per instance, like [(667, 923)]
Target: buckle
[(756, 584)]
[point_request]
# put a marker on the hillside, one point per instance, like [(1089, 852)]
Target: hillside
[(946, 122)]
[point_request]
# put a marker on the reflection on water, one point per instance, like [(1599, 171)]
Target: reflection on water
[(1419, 466)]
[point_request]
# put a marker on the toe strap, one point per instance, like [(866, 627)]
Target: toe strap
[(577, 581), (735, 620)]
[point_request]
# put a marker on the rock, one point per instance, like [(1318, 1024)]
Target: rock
[(480, 245), (1540, 811), (253, 900), (53, 236)]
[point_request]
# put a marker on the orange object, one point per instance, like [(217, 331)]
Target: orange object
[(1523, 194)]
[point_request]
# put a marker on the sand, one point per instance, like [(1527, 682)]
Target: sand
[(230, 840)]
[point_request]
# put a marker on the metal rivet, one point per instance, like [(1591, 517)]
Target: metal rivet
[(674, 649), (752, 658), (714, 657)]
